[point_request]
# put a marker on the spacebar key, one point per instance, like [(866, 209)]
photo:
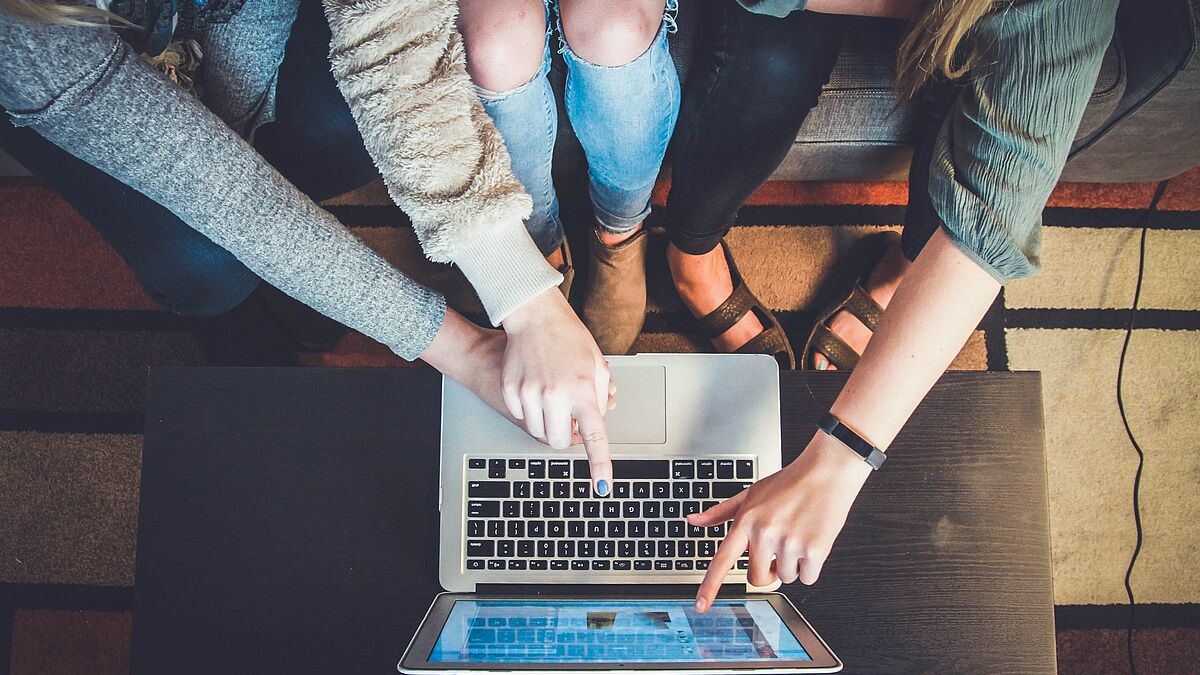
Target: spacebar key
[(629, 468), (727, 489)]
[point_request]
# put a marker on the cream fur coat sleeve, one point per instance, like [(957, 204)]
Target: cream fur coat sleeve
[(401, 66)]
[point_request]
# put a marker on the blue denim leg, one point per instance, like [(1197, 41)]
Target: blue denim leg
[(624, 117), (528, 121)]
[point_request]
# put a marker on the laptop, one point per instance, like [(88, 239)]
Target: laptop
[(542, 574)]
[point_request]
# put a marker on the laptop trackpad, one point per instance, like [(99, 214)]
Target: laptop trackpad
[(641, 412)]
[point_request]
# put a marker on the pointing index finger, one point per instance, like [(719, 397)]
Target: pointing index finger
[(595, 443), (727, 554)]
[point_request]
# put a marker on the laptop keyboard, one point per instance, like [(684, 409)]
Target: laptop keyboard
[(541, 514)]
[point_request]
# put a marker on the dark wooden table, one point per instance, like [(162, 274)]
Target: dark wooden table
[(289, 524)]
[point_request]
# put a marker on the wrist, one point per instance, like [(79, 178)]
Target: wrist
[(456, 340), (836, 459), (532, 312)]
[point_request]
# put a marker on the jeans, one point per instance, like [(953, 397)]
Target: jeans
[(624, 117), (741, 111), (313, 141)]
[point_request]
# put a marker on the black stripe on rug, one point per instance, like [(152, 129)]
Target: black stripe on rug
[(140, 320), (1160, 319), (71, 422), (1090, 617), (66, 596)]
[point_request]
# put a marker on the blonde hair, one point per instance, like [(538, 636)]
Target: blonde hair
[(937, 43), (49, 11)]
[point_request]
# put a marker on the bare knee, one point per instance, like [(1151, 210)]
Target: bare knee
[(505, 41), (611, 33)]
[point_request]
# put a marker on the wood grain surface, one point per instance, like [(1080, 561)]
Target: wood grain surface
[(289, 524)]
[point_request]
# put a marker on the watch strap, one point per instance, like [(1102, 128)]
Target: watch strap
[(872, 455)]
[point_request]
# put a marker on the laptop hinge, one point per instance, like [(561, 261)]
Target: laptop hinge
[(605, 590)]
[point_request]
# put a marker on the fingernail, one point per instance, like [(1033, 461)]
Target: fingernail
[(701, 604), (602, 487), (822, 365)]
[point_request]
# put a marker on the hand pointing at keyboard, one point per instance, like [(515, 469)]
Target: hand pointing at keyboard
[(788, 521)]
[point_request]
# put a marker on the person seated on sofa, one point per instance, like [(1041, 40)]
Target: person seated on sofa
[(1005, 85), (71, 80), (622, 97)]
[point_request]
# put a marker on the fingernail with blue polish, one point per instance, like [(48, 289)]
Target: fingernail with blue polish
[(822, 365), (602, 487)]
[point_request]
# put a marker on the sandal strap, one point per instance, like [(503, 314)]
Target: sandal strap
[(862, 305), (772, 341), (834, 348), (721, 319)]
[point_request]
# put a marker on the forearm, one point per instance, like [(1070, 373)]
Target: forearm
[(935, 309)]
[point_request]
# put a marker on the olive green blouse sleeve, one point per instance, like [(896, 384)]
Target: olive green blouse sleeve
[(1004, 143)]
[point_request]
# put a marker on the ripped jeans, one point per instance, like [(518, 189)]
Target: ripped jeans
[(623, 115)]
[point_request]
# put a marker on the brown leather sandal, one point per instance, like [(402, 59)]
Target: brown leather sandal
[(772, 340), (856, 300)]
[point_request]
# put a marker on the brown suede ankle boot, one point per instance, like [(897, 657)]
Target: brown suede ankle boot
[(614, 307)]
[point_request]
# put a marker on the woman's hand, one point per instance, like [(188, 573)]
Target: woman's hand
[(555, 380), (788, 520)]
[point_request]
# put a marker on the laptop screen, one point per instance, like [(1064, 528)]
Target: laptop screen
[(580, 631)]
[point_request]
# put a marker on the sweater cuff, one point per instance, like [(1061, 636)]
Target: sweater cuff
[(505, 267)]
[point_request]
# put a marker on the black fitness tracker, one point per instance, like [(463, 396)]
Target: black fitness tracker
[(872, 455)]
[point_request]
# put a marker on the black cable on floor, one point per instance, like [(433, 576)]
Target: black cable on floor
[(1137, 477)]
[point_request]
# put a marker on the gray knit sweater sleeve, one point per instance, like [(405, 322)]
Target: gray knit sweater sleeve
[(83, 90), (1005, 141)]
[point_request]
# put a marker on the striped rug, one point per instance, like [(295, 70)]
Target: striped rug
[(77, 335)]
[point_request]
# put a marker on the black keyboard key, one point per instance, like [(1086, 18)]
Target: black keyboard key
[(671, 510), (516, 464), (675, 529), (621, 489), (496, 468), (687, 549), (641, 490), (483, 509), (725, 469), (725, 490), (551, 510), (531, 510), (707, 548), (683, 469), (743, 564), (537, 468), (512, 509), (666, 549), (645, 549), (612, 509), (495, 528), (556, 528), (717, 531), (587, 549), (683, 564), (620, 565), (631, 510), (516, 564), (663, 565), (680, 491), (745, 468), (700, 490), (516, 529), (521, 489), (606, 548), (691, 507), (625, 548), (657, 529), (537, 564), (536, 528), (475, 564), (616, 529), (633, 469), (506, 548), (474, 528), (591, 509), (526, 548), (637, 529), (641, 565), (496, 564), (575, 529), (600, 564), (570, 509), (477, 463), (561, 490), (541, 489), (566, 549), (582, 469), (558, 468), (596, 529), (708, 505), (702, 564), (558, 564), (695, 531), (481, 548), (651, 510), (581, 489), (660, 490), (545, 549), (579, 564), (705, 469)]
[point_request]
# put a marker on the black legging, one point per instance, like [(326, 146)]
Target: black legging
[(742, 109)]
